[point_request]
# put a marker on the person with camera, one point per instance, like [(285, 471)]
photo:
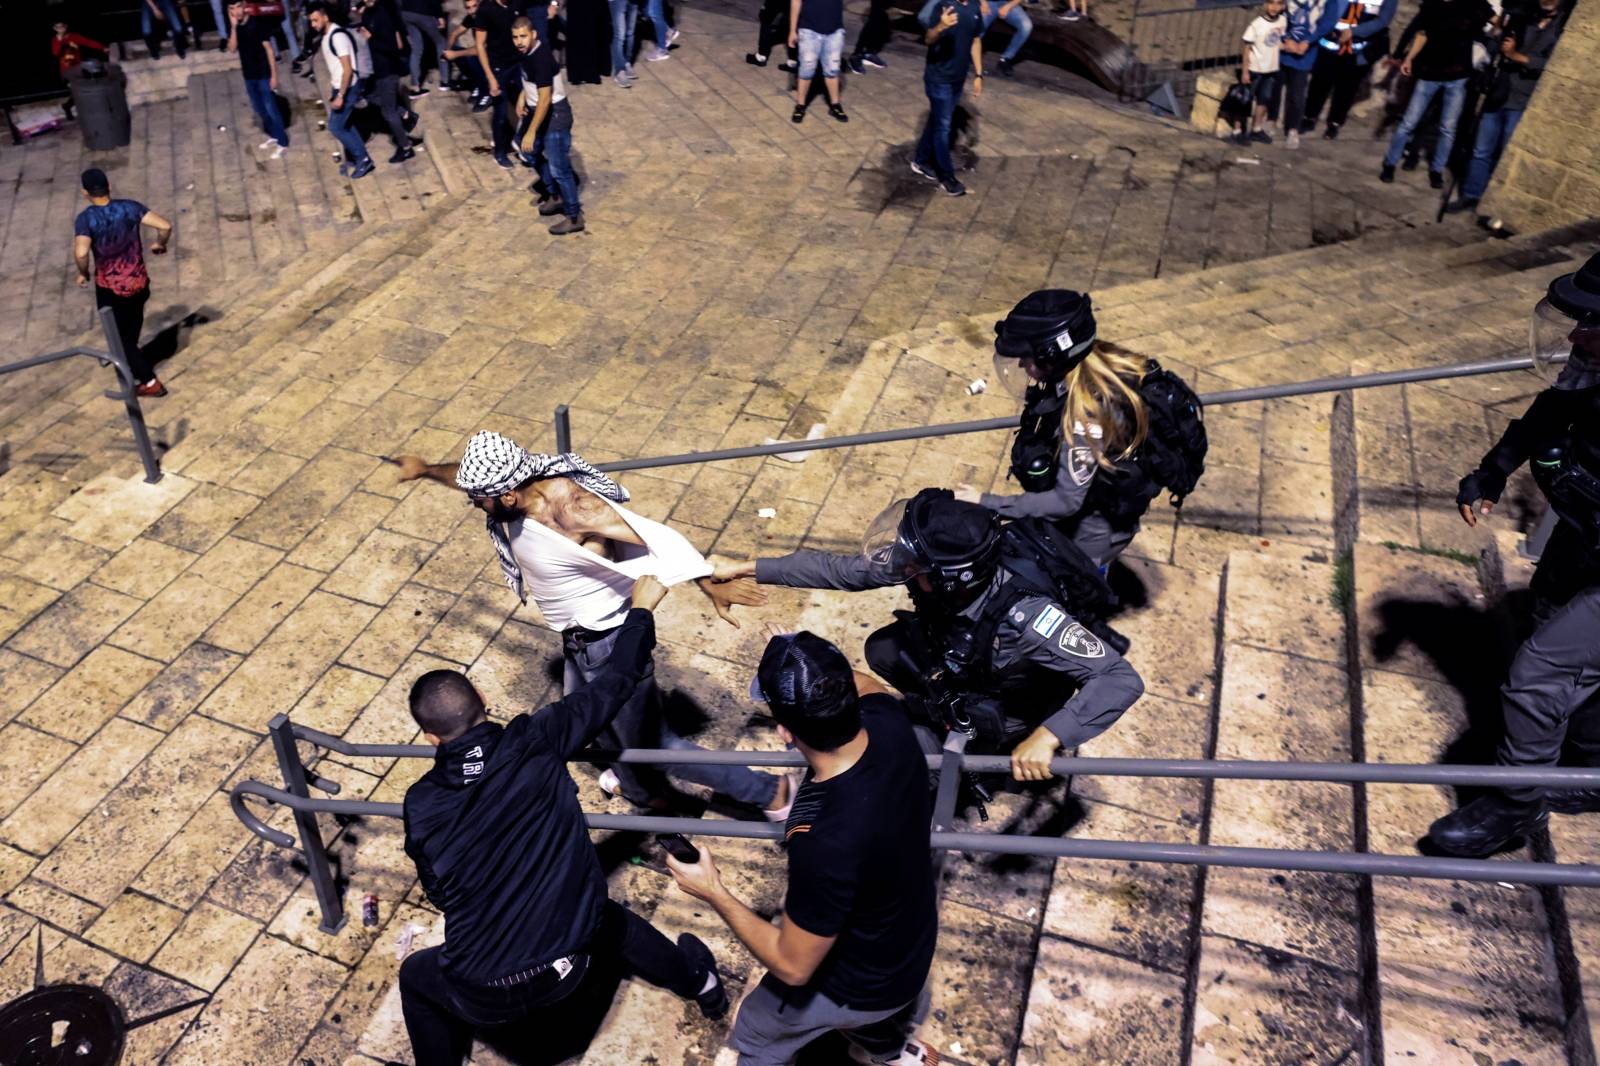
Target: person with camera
[(560, 532), (501, 848), (860, 918), (991, 649), (1136, 429), (953, 32), (1551, 696)]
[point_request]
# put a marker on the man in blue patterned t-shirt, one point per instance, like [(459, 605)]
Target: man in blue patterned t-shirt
[(110, 230)]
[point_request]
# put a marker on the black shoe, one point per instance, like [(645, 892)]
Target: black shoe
[(415, 139), (952, 187), (1486, 825), (1435, 179), (838, 113), (713, 1002), (482, 104), (799, 114), (503, 162), (401, 155), (873, 59), (1008, 67), (1241, 138), (856, 65), (1410, 162), (550, 205), (1572, 800), (421, 90), (755, 60), (1307, 125), (1332, 132), (1456, 208), (362, 169), (1261, 136), (788, 66), (410, 121), (1386, 175), (923, 172)]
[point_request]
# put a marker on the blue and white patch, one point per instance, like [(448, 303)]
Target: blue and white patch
[(1076, 640), (1047, 621)]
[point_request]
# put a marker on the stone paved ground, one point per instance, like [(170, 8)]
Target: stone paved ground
[(742, 279)]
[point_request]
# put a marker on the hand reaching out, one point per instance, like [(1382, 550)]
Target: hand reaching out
[(726, 594)]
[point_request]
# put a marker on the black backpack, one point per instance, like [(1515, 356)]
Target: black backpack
[(1043, 561), (1174, 451)]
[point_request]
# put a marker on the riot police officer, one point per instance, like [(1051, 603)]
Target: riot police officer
[(985, 645), (1552, 694), (1091, 452)]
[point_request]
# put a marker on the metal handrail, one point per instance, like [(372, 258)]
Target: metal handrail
[(118, 360), (563, 423), (299, 779)]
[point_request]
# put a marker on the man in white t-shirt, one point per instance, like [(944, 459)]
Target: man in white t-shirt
[(343, 52), (1260, 67), (561, 535)]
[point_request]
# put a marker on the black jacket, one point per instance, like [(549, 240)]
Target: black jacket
[(497, 834)]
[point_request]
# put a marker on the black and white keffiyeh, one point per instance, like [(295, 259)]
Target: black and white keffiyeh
[(494, 465)]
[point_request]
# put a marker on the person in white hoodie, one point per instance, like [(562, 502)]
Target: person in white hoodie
[(560, 532)]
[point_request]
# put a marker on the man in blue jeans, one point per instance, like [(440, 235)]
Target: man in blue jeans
[(547, 131), (1441, 59), (954, 35), (340, 53), (166, 12), (1524, 51), (258, 62), (1012, 15)]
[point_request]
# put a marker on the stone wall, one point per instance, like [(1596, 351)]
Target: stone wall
[(1550, 174)]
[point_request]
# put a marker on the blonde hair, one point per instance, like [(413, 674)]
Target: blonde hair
[(1103, 390)]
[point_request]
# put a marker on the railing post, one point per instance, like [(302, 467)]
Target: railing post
[(563, 429), (944, 801), (130, 398), (311, 846)]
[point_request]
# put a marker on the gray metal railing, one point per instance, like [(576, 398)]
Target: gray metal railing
[(114, 357), (563, 418), (299, 779), (1173, 44)]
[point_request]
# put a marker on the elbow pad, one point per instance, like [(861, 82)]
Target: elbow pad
[(1481, 484)]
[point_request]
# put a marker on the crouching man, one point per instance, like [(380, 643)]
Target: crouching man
[(859, 919), (501, 848)]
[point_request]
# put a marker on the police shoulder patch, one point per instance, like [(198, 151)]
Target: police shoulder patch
[(1081, 464), (1076, 640), (1047, 621)]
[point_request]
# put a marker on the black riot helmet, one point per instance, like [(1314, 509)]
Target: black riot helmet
[(955, 545), (1566, 328), (1047, 334)]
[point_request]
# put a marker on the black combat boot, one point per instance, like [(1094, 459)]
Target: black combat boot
[(1573, 800), (1486, 825)]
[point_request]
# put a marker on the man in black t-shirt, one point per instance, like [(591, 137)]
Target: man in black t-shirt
[(258, 62), (1441, 59), (860, 917), (545, 125), (499, 55), (385, 33)]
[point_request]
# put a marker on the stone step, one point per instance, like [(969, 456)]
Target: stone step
[(1464, 969), (1278, 970)]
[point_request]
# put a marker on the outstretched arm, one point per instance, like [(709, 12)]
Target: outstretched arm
[(413, 467)]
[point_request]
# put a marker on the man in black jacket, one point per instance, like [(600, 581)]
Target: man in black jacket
[(501, 848)]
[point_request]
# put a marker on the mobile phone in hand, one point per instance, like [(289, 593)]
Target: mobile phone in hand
[(678, 846)]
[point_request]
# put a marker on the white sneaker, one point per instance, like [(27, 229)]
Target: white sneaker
[(781, 814), (658, 55), (609, 784), (268, 143), (1292, 139), (672, 37), (277, 153), (914, 1053)]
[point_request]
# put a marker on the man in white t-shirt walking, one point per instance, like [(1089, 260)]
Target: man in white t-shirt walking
[(342, 51), (1260, 67), (561, 535)]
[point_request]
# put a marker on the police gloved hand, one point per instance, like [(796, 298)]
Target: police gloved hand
[(1030, 760), (1481, 487)]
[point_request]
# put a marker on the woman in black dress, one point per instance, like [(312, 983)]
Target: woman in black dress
[(588, 30)]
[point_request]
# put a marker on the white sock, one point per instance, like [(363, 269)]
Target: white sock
[(711, 982), (760, 58)]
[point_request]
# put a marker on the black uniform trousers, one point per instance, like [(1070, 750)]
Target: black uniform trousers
[(1337, 76), (1552, 694)]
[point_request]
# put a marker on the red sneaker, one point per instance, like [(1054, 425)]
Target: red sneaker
[(153, 387)]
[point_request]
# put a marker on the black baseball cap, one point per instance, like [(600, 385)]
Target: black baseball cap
[(95, 181), (801, 673)]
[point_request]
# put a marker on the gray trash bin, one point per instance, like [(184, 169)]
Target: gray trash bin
[(100, 95)]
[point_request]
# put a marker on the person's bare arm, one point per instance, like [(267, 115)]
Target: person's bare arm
[(867, 685), (541, 108), (155, 9), (163, 230), (788, 951), (272, 64), (80, 253), (977, 65), (413, 467), (346, 75), (794, 23), (1416, 49), (483, 57), (1244, 64), (233, 34)]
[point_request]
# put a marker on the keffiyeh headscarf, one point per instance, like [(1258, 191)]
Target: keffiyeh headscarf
[(494, 465)]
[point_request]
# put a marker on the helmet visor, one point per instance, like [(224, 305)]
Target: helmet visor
[(1017, 374), (1564, 349), (889, 558)]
